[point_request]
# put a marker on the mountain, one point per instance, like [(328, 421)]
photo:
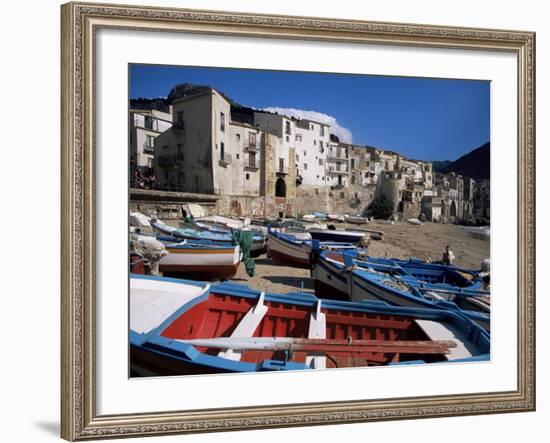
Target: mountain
[(476, 164), (158, 104)]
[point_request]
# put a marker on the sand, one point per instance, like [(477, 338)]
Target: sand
[(401, 240)]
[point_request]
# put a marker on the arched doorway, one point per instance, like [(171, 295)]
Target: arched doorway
[(453, 209), (280, 188)]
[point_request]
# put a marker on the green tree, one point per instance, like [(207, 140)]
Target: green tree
[(380, 207)]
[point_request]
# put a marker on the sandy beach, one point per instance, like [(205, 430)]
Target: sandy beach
[(401, 240)]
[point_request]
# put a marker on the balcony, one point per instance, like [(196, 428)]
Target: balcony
[(337, 156), (225, 159), (148, 149), (334, 171), (252, 147), (282, 170)]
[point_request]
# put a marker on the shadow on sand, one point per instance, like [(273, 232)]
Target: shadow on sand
[(297, 282)]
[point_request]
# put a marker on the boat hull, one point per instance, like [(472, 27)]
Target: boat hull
[(287, 253), (336, 236), (201, 263)]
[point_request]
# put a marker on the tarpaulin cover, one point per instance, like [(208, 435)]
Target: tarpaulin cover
[(244, 240)]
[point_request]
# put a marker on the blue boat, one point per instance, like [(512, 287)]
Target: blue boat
[(408, 283), (336, 235), (186, 327), (295, 249), (258, 239)]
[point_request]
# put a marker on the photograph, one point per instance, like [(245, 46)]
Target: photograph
[(288, 220)]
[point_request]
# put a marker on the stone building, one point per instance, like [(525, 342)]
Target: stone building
[(281, 165), (144, 128), (482, 199), (450, 187), (205, 151)]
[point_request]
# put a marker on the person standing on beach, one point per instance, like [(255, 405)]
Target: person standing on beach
[(448, 256)]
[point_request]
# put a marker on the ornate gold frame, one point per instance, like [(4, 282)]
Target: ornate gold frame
[(79, 22)]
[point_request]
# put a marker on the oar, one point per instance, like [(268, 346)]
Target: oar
[(324, 345)]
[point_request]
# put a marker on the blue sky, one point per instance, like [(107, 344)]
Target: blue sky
[(429, 119)]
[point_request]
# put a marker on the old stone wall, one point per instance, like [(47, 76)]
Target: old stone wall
[(240, 206)]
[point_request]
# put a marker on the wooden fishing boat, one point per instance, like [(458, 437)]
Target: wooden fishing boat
[(408, 283), (336, 217), (335, 235), (295, 249), (179, 327), (201, 261), (258, 239), (357, 220)]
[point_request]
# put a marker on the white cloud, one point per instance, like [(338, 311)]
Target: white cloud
[(344, 134)]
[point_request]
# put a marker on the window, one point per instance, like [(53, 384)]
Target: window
[(298, 137), (297, 157), (314, 142), (237, 156), (248, 176), (352, 163), (321, 143), (196, 182), (252, 139), (180, 154), (305, 153), (222, 150), (252, 159), (320, 162), (287, 138), (311, 126), (148, 122), (322, 130), (238, 137), (281, 165), (287, 127), (181, 123), (305, 166), (222, 121), (149, 142)]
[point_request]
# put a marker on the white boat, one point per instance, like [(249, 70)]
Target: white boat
[(336, 217), (357, 220), (225, 222), (414, 221), (295, 249), (201, 260), (288, 249)]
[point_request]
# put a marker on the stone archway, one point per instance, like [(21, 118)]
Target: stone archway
[(280, 188)]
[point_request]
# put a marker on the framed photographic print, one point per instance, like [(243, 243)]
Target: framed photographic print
[(283, 221)]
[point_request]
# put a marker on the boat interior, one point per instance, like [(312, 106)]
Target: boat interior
[(221, 315)]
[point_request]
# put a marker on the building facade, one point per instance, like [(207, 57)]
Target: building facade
[(210, 145), (144, 128)]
